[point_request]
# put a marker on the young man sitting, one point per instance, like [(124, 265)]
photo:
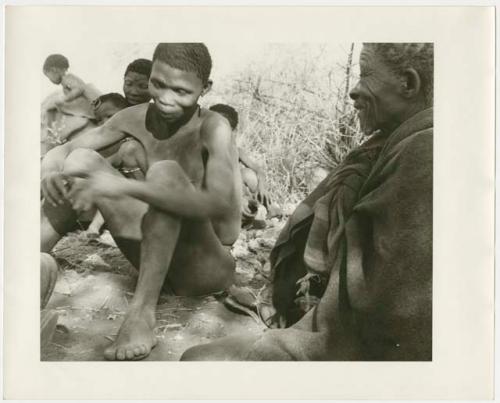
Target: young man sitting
[(178, 224)]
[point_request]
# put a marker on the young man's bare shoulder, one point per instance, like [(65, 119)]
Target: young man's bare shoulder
[(215, 127), (128, 118)]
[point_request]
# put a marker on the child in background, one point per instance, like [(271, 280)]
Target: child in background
[(107, 105), (73, 105), (252, 175), (127, 155), (135, 82)]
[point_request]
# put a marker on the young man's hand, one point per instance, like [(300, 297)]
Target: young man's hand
[(100, 184), (80, 195), (55, 187)]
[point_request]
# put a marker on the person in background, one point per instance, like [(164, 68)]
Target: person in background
[(68, 113), (252, 174), (135, 82)]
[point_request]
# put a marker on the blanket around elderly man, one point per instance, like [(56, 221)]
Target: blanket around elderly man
[(365, 237)]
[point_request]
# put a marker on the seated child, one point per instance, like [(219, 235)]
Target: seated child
[(107, 105), (127, 155), (254, 189), (73, 106), (136, 80)]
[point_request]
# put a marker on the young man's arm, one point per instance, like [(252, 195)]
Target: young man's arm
[(214, 199), (52, 179)]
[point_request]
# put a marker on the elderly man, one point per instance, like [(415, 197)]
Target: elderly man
[(364, 235)]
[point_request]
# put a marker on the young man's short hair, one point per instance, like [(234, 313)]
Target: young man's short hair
[(228, 112), (56, 61), (191, 57), (116, 99), (140, 66)]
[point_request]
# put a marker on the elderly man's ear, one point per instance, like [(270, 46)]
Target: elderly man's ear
[(411, 84)]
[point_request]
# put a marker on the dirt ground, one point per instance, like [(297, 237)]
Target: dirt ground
[(95, 285)]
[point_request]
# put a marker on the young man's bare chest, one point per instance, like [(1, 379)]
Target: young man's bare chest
[(184, 146)]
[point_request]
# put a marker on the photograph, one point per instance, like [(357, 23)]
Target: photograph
[(223, 201), (249, 202)]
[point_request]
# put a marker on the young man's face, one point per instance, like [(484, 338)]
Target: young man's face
[(54, 75), (175, 92), (135, 88), (104, 111), (377, 95)]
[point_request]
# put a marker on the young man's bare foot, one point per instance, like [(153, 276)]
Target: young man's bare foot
[(135, 339), (92, 233)]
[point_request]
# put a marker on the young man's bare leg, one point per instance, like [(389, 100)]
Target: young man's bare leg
[(192, 256), (124, 215), (197, 261), (49, 237)]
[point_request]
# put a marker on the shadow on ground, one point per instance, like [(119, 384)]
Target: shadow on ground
[(95, 285)]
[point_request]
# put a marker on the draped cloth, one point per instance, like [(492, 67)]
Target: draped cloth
[(310, 239), (367, 229)]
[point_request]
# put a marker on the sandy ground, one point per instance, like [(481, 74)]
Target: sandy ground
[(96, 283)]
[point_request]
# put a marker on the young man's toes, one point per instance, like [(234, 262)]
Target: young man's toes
[(110, 353), (137, 351), (143, 349), (130, 354), (121, 354)]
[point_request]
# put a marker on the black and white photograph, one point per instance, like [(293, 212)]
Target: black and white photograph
[(249, 202), (211, 202)]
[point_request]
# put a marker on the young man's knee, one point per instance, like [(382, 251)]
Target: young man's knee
[(167, 172), (83, 159)]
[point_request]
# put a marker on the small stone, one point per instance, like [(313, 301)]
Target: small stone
[(274, 211), (266, 242), (289, 208), (107, 239), (239, 250), (95, 260), (261, 213), (259, 224), (253, 245)]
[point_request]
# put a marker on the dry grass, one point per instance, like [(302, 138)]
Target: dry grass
[(294, 119)]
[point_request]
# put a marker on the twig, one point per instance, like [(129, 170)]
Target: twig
[(104, 302), (173, 309), (58, 345)]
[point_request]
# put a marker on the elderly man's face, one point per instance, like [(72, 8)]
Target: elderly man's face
[(377, 96)]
